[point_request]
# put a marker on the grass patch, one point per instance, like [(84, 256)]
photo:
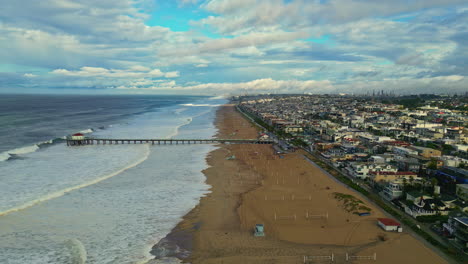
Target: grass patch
[(350, 203)]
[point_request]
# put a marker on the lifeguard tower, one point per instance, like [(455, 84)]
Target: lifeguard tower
[(259, 231)]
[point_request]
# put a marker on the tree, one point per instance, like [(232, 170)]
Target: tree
[(434, 182), (447, 149), (411, 180), (425, 183), (432, 165), (405, 184)]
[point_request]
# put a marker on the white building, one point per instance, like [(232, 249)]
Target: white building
[(388, 224), (392, 191), (362, 169)]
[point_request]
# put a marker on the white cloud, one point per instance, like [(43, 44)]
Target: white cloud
[(156, 73), (252, 40), (29, 75), (253, 15), (173, 74), (139, 68), (355, 45), (133, 72), (264, 85)]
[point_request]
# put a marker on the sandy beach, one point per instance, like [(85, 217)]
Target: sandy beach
[(304, 211)]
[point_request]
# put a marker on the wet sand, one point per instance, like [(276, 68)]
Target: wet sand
[(296, 202)]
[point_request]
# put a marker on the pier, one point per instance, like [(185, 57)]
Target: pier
[(111, 141)]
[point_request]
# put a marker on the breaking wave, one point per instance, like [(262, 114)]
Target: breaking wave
[(8, 155), (87, 131), (77, 250), (60, 193), (4, 156)]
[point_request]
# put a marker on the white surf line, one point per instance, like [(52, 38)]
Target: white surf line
[(190, 120), (70, 189)]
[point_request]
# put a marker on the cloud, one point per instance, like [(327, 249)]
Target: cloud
[(338, 45), (133, 72), (172, 74), (249, 15), (250, 41), (263, 85), (449, 84), (29, 75), (411, 59)]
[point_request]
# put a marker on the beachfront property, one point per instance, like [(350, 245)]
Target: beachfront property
[(397, 152), (362, 170), (389, 224), (392, 191), (457, 228), (424, 206)]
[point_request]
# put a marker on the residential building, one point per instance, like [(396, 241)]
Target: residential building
[(458, 228), (362, 169), (392, 191), (389, 176), (462, 191), (427, 152)]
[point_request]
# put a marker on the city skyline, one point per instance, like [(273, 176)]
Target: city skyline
[(220, 47)]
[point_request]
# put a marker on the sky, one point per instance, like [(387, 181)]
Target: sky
[(230, 47)]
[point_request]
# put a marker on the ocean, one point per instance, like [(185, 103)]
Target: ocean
[(99, 203)]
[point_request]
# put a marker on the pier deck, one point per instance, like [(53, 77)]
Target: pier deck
[(111, 141)]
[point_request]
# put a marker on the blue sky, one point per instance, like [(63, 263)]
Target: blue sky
[(226, 47)]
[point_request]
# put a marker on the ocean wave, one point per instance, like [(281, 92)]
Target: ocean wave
[(4, 156), (176, 129), (180, 110), (218, 97), (77, 250), (60, 193), (7, 155), (87, 131), (209, 105), (189, 120)]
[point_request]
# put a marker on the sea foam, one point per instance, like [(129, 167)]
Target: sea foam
[(114, 214), (6, 155), (62, 192)]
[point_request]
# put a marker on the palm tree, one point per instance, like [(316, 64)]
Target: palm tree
[(434, 182)]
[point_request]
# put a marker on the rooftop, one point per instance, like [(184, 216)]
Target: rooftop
[(393, 173), (389, 221), (463, 220)]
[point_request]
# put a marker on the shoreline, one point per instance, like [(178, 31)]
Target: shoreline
[(179, 243), (258, 185)]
